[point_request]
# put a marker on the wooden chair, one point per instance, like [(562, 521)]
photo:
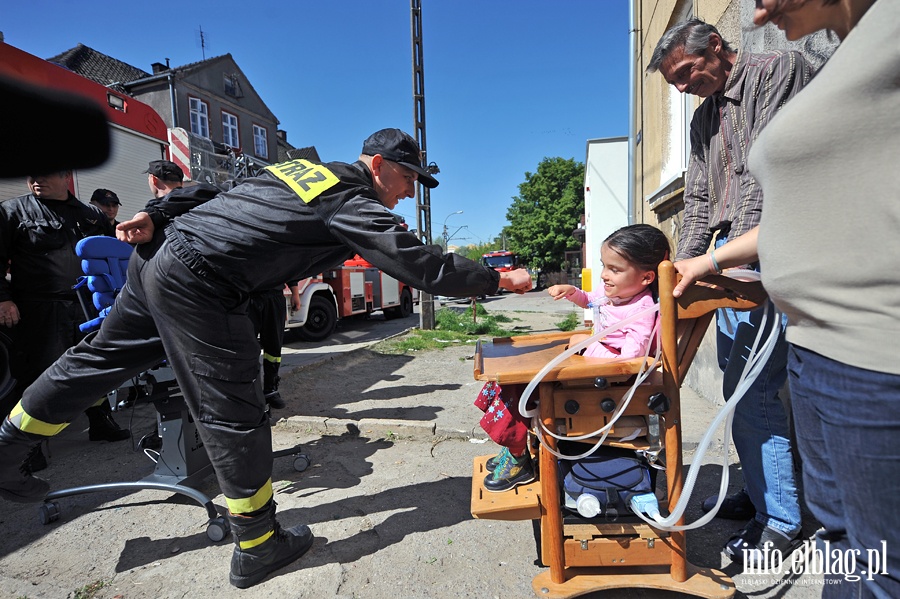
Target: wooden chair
[(590, 555)]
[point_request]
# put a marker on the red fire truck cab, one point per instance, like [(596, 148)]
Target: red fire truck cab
[(357, 287), (501, 261)]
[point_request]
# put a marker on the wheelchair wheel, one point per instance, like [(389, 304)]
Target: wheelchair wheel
[(217, 529), (49, 512), (301, 462)]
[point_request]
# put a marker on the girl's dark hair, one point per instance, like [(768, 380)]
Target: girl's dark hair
[(645, 246)]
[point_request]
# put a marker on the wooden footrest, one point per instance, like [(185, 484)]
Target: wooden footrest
[(701, 582), (519, 503)]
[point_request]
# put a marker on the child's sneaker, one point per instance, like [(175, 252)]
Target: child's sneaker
[(510, 471), (492, 463)]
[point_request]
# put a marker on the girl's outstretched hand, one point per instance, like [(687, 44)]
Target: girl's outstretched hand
[(559, 292)]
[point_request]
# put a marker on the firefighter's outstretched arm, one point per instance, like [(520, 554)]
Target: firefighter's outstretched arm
[(137, 230)]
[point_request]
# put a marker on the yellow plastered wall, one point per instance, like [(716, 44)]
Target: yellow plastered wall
[(654, 148)]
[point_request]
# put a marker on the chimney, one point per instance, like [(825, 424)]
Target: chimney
[(282, 134), (159, 67)]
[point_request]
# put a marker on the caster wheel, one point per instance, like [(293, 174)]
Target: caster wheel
[(217, 529), (301, 462), (49, 512)]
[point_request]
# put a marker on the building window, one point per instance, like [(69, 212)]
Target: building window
[(199, 117), (260, 142), (230, 130), (678, 138), (232, 85)]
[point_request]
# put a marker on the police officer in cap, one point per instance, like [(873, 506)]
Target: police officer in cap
[(108, 203), (163, 177)]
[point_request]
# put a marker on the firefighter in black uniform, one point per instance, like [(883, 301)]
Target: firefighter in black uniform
[(38, 233), (186, 299)]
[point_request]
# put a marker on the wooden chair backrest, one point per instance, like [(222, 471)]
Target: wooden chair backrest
[(684, 320)]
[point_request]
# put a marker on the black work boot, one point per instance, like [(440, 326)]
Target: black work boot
[(270, 392), (103, 427), (15, 484), (249, 565), (35, 462)]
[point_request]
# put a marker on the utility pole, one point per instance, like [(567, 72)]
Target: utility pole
[(423, 194)]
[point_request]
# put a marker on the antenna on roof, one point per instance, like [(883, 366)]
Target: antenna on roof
[(203, 40)]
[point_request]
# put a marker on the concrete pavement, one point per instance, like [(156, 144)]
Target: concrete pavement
[(391, 440)]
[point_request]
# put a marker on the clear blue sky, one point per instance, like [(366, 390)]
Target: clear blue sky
[(507, 82)]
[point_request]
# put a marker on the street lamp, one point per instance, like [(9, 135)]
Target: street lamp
[(447, 237)]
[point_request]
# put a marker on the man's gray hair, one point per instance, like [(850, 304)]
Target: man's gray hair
[(692, 35)]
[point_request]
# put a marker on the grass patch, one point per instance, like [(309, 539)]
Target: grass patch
[(89, 591), (451, 327), (571, 322)]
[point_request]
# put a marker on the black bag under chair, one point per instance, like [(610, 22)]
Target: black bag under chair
[(601, 485)]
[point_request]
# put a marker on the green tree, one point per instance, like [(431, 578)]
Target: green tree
[(546, 211)]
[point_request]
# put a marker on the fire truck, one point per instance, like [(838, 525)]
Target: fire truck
[(501, 261), (354, 288)]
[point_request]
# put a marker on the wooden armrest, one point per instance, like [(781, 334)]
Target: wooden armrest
[(516, 360), (718, 291)]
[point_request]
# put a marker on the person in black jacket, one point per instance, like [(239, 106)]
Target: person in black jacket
[(108, 203), (163, 177), (189, 282), (38, 307)]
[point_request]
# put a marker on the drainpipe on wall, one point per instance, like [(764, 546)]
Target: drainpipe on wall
[(632, 36), (172, 99)]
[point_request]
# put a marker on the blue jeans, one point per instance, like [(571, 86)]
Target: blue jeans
[(761, 430), (848, 425)]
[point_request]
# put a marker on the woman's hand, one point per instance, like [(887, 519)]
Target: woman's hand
[(691, 270)]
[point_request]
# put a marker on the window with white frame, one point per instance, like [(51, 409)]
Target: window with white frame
[(260, 142), (199, 117), (680, 108), (230, 130)]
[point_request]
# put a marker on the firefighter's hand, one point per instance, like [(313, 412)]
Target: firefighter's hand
[(518, 280), (137, 230), (9, 314)]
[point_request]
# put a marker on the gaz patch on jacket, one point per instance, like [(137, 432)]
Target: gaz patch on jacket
[(306, 179)]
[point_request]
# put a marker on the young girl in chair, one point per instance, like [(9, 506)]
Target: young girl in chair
[(630, 256)]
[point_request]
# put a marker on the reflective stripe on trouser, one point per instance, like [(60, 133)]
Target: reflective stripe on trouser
[(27, 424), (253, 531), (166, 311)]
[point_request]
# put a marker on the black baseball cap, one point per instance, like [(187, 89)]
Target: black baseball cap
[(399, 147), (105, 196), (165, 170)]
